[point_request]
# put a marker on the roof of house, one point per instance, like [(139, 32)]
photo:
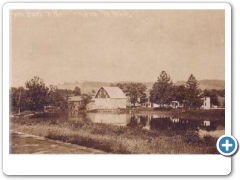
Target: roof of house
[(114, 92), (75, 98)]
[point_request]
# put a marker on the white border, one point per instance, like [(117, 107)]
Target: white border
[(114, 164)]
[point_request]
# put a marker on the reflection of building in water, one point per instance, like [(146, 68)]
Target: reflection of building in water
[(108, 98), (155, 116), (174, 119), (206, 123), (109, 118), (139, 120), (147, 123), (76, 116)]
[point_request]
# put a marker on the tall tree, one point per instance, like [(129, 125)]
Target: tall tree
[(57, 97), (193, 93), (37, 94), (77, 91), (179, 93), (221, 92), (161, 92), (85, 100), (18, 99), (143, 98)]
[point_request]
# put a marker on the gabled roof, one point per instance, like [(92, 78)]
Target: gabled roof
[(114, 92), (75, 98)]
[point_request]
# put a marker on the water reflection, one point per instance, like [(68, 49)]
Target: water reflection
[(107, 118), (206, 123), (153, 122)]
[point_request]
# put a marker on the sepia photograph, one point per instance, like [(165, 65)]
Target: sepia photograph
[(116, 81)]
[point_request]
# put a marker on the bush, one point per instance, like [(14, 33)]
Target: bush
[(98, 131), (120, 130), (74, 125), (48, 115), (209, 140), (191, 137)]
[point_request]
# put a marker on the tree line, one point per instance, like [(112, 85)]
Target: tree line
[(190, 95), (136, 92), (164, 92), (36, 95)]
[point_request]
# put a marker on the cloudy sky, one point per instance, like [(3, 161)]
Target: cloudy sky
[(108, 46)]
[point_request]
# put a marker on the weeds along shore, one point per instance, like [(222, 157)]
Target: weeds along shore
[(116, 139)]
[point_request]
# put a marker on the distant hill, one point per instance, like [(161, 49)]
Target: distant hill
[(88, 86), (85, 86), (207, 84)]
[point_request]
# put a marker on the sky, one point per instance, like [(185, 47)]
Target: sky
[(109, 46)]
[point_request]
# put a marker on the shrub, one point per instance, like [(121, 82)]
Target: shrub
[(74, 125), (98, 131), (120, 130), (209, 140), (48, 115), (191, 137)]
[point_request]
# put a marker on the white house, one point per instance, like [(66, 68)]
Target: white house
[(176, 104), (110, 98), (206, 103), (149, 104)]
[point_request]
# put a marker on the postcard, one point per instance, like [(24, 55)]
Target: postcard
[(117, 89)]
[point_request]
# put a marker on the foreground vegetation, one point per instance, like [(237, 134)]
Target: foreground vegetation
[(115, 139)]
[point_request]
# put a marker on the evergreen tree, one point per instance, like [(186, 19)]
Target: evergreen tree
[(179, 93), (161, 92), (193, 93)]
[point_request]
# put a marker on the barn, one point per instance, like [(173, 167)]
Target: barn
[(110, 98)]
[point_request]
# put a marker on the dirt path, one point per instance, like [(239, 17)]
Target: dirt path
[(21, 143)]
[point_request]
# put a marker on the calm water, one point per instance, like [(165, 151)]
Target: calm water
[(153, 122)]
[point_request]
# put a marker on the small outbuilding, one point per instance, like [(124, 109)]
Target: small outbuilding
[(74, 103)]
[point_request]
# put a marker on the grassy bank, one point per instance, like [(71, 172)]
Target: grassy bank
[(115, 139)]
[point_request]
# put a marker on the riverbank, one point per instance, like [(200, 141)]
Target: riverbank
[(22, 143), (116, 139)]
